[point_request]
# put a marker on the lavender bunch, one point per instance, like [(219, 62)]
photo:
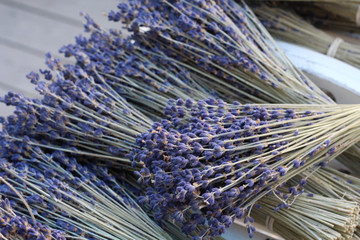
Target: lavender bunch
[(146, 81), (83, 200), (216, 160), (78, 114), (15, 227), (286, 25), (323, 15), (224, 43)]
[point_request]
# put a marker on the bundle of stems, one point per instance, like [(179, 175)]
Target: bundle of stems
[(220, 159), (346, 10), (218, 38), (345, 21), (17, 227), (333, 183), (78, 116), (84, 201), (288, 26), (224, 43), (310, 217), (334, 187), (208, 38)]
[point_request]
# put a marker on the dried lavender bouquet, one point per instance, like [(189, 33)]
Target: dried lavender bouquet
[(82, 200), (287, 25), (71, 100), (219, 160), (221, 49), (221, 42)]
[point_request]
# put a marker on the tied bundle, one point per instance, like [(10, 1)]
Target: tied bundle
[(226, 45), (288, 26), (222, 45), (216, 160)]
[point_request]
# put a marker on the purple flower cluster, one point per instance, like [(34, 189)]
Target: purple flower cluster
[(135, 75), (214, 160), (77, 114), (14, 226)]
